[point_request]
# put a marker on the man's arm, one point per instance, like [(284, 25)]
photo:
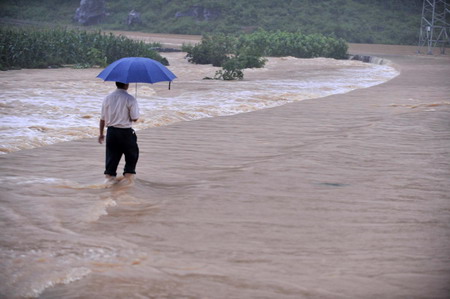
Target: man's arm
[(101, 137), (134, 110)]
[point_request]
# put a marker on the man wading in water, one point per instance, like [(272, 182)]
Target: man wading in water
[(119, 110)]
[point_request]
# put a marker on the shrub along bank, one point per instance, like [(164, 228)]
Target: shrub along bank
[(235, 53), (42, 48)]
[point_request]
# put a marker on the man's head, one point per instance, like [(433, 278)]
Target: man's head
[(121, 85)]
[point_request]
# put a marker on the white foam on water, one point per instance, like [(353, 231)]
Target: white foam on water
[(99, 210), (43, 233), (27, 273), (39, 285), (64, 110), (66, 211)]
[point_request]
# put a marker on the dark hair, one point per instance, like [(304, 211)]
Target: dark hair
[(121, 85)]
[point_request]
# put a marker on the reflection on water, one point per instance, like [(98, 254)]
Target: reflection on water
[(39, 107)]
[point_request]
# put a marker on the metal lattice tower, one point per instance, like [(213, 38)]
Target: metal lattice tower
[(435, 25)]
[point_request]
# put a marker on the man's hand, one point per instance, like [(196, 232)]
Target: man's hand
[(101, 137)]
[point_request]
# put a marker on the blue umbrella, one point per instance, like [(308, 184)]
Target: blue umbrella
[(136, 70)]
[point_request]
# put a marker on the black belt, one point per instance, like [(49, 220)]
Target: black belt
[(116, 128)]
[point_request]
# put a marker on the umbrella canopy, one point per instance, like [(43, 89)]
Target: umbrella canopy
[(136, 70)]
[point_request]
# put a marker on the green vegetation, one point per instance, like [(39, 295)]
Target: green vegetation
[(292, 44), (213, 49), (222, 50), (41, 48), (237, 52), (358, 21)]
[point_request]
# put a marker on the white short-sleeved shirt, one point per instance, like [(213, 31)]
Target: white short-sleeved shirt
[(119, 109)]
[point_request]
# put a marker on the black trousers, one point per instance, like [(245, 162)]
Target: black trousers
[(121, 142)]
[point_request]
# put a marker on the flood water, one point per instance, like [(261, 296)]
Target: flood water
[(41, 107), (74, 236)]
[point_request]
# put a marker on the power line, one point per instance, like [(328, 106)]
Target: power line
[(435, 25)]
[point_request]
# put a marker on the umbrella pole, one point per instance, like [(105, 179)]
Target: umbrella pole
[(135, 93)]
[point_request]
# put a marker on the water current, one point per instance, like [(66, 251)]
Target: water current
[(41, 107), (58, 231)]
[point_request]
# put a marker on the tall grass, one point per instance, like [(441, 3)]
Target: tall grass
[(41, 48)]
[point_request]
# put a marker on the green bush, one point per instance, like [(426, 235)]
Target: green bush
[(40, 48), (246, 61), (295, 44), (235, 53), (217, 49), (230, 74), (214, 49), (231, 70)]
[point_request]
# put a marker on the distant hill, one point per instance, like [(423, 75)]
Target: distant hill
[(356, 21)]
